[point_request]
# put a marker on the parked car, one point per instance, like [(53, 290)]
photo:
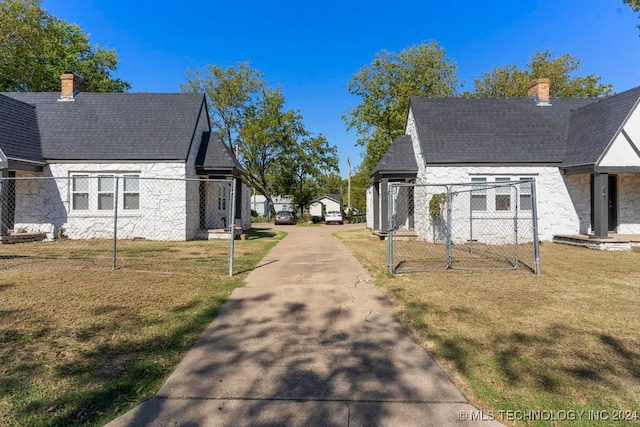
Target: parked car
[(285, 217), (334, 217)]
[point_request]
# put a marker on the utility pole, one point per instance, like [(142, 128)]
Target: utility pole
[(349, 185)]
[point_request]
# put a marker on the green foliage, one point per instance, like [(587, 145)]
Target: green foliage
[(278, 154), (436, 204), (304, 167), (36, 48), (230, 93), (385, 87), (511, 81)]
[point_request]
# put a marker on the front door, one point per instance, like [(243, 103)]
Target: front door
[(612, 206), (613, 202)]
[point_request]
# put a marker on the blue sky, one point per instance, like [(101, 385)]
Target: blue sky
[(313, 48)]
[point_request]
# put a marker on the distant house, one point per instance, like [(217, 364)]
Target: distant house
[(260, 205), (87, 140), (323, 204), (584, 155)]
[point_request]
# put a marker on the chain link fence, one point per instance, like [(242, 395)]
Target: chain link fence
[(477, 225), (91, 209)]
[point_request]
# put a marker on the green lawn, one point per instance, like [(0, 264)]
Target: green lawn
[(566, 340), (81, 344)]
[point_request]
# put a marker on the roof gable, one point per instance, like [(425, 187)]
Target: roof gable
[(399, 158), (19, 136), (214, 156), (116, 126), (594, 128)]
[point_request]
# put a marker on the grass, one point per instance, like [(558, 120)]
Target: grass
[(566, 340), (81, 343)]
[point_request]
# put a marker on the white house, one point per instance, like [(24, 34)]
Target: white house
[(323, 204), (583, 153), (260, 205), (152, 156)]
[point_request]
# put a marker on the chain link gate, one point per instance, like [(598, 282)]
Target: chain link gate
[(477, 225)]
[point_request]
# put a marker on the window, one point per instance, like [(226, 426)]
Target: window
[(106, 187), (97, 192), (131, 192), (503, 194), (525, 195), (479, 196), (80, 193)]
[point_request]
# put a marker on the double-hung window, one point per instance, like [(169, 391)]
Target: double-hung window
[(525, 195), (131, 192), (96, 192), (503, 194), (106, 188), (80, 193), (479, 195)]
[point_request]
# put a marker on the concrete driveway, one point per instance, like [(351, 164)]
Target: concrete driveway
[(308, 341)]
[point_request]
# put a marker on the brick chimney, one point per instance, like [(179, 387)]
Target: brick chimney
[(539, 88), (72, 84)]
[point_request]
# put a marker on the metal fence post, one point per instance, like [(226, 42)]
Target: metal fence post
[(390, 226), (115, 224), (515, 222), (232, 223), (536, 241), (449, 231)]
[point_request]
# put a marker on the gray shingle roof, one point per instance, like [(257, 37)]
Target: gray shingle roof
[(399, 158), (215, 155), (493, 130), (593, 127), (116, 126), (19, 138)]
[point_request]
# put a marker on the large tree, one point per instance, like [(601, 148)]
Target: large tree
[(302, 170), (385, 86), (511, 81), (277, 152), (230, 92), (268, 136), (36, 48)]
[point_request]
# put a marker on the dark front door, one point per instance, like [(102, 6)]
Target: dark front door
[(613, 202)]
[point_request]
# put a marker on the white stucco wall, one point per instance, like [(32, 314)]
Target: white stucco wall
[(163, 200), (629, 203), (556, 194)]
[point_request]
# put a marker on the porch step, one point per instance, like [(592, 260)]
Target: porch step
[(616, 242), (22, 238)]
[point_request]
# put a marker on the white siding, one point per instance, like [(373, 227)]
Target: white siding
[(369, 196), (621, 153), (632, 126)]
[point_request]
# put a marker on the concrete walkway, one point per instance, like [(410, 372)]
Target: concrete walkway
[(308, 341)]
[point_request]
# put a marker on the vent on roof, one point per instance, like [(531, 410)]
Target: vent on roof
[(72, 84), (539, 89)]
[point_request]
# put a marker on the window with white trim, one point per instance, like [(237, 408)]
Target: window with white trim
[(80, 193), (96, 192), (479, 195), (499, 195), (106, 188), (503, 194), (131, 192), (526, 201)]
